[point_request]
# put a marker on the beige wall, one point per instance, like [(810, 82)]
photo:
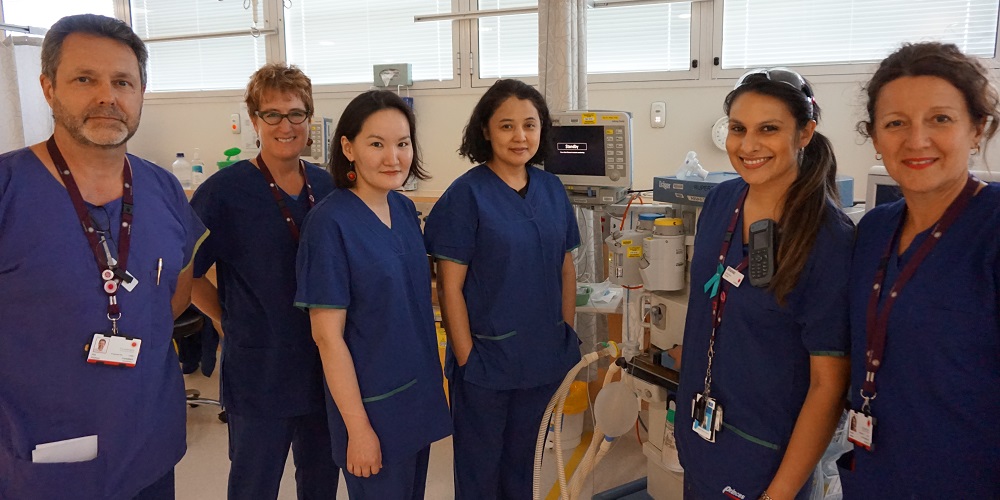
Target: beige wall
[(170, 125)]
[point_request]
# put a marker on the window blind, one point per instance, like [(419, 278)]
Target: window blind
[(820, 32)]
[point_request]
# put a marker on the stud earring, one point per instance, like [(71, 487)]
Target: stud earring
[(309, 142), (878, 156)]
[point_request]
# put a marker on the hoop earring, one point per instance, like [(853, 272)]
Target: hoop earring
[(351, 174), (878, 156)]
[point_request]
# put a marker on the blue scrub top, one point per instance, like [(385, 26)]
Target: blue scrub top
[(936, 411), (760, 374), (52, 303), (350, 260), (514, 248), (270, 364)]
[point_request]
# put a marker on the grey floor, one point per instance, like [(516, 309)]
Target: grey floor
[(203, 473)]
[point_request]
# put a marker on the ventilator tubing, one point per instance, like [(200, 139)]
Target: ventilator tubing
[(554, 412)]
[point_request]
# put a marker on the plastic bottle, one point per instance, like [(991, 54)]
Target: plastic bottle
[(182, 170), (197, 169)]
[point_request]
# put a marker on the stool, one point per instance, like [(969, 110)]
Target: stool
[(190, 322)]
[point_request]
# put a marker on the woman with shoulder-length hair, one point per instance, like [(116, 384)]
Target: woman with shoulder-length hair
[(501, 235), (925, 287), (363, 275), (764, 368)]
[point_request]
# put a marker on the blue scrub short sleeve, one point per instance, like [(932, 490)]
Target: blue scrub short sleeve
[(204, 203), (321, 270), (823, 303), (196, 232), (450, 231)]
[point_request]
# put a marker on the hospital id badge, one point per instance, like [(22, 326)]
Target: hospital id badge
[(733, 276), (860, 427), (707, 415), (114, 350)]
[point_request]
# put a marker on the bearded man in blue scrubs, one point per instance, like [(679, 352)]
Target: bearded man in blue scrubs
[(95, 246)]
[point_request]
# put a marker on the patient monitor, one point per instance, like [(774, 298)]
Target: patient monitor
[(592, 155)]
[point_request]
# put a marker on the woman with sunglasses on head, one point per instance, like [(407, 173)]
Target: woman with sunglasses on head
[(764, 368), (363, 275), (502, 235), (925, 288), (272, 379)]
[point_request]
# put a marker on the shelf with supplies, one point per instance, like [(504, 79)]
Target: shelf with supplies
[(604, 298)]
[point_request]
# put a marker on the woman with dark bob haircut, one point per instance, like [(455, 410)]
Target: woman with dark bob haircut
[(502, 235), (363, 275), (925, 287)]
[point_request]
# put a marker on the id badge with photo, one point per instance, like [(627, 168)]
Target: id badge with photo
[(114, 350), (859, 428), (707, 415)]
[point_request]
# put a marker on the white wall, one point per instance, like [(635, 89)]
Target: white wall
[(170, 125)]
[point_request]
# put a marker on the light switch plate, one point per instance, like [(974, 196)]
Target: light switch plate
[(658, 114)]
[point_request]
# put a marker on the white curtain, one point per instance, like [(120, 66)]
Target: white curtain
[(27, 117), (562, 53), (562, 79), (11, 132)]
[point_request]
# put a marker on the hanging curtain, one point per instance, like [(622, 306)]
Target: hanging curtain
[(562, 80), (562, 53), (11, 131), (27, 117)]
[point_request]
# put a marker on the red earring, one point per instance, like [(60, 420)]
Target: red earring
[(351, 176)]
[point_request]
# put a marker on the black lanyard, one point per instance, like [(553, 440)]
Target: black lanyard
[(877, 322), (280, 200), (112, 272), (721, 286)]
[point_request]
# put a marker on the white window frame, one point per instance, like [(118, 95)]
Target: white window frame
[(692, 73), (835, 72), (356, 88)]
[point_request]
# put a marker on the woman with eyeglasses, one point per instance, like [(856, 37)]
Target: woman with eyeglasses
[(272, 378), (764, 368), (925, 287)]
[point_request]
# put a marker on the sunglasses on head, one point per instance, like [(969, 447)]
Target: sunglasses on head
[(780, 75)]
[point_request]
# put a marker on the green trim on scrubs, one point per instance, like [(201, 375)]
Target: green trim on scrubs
[(750, 438), (442, 257), (304, 306), (391, 393), (497, 337)]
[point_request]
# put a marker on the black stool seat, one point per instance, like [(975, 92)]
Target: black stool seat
[(190, 322)]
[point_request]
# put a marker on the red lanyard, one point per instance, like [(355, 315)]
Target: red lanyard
[(113, 272), (877, 324), (280, 200), (719, 302)]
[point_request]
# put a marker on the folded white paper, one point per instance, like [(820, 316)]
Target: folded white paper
[(78, 449)]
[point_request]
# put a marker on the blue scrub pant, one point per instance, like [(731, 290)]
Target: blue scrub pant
[(406, 480), (258, 449), (162, 489), (494, 440)]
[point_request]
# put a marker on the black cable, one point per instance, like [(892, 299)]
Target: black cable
[(643, 424), (650, 190)]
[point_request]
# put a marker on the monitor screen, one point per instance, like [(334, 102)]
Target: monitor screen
[(579, 150)]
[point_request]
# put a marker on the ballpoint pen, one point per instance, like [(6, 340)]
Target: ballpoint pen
[(159, 269)]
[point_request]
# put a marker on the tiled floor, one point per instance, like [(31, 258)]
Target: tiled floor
[(203, 473)]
